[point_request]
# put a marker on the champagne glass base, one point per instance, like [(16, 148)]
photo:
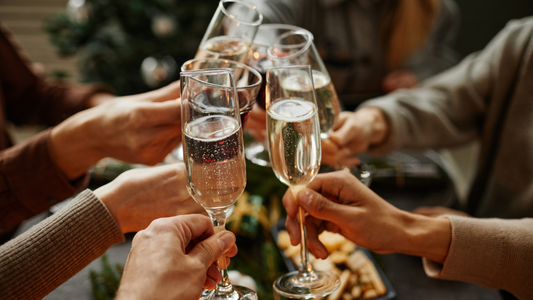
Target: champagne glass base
[(257, 154), (239, 293), (295, 286)]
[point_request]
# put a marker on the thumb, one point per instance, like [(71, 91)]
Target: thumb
[(343, 135), (210, 249), (319, 207)]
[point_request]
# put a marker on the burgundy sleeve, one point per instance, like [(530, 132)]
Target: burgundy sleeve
[(30, 182), (29, 98)]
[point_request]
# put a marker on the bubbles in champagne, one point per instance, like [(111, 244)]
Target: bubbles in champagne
[(214, 158), (293, 134), (224, 47), (327, 99)]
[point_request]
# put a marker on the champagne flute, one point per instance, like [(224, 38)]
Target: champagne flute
[(297, 48), (248, 81), (293, 131), (214, 157), (257, 151), (231, 31)]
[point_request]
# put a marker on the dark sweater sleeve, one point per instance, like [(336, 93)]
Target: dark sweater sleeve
[(42, 258), (30, 182)]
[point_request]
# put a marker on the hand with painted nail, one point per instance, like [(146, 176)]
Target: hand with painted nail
[(174, 258), (339, 202)]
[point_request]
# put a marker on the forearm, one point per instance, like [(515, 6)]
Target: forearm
[(378, 125), (73, 147), (41, 259), (495, 253), (30, 181), (425, 237)]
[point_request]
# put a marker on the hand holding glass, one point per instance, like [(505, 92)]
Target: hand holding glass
[(213, 153), (294, 142)]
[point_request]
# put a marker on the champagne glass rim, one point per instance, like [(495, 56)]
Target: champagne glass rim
[(304, 48), (308, 67), (300, 67), (240, 65), (213, 71), (229, 15), (288, 27)]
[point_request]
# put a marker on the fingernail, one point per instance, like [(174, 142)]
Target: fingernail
[(225, 241), (307, 196)]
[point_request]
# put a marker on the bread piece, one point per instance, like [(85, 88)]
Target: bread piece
[(352, 281), (370, 294), (338, 257), (375, 278), (332, 241), (284, 241), (365, 282), (356, 260), (346, 296), (323, 264), (344, 280), (356, 292), (292, 251), (348, 247)]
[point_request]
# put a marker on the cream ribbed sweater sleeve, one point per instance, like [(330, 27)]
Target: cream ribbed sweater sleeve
[(42, 258), (494, 253)]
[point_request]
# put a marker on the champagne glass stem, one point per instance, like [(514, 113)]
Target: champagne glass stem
[(219, 222), (305, 269), (305, 265)]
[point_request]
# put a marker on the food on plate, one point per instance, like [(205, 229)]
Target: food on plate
[(359, 277)]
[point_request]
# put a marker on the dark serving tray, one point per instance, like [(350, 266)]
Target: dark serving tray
[(391, 293)]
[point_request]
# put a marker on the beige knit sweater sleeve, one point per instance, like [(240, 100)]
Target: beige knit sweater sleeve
[(38, 261), (494, 253)]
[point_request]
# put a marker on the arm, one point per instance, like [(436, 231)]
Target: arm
[(491, 252), (449, 109), (138, 129), (42, 258), (30, 99), (494, 253)]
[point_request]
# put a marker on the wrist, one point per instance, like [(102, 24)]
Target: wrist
[(72, 148), (427, 237), (378, 131)]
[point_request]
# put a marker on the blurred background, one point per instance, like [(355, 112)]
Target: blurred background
[(164, 27)]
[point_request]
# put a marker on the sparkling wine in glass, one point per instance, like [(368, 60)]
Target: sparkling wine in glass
[(297, 48), (231, 31), (266, 34), (214, 156), (248, 81), (293, 131)]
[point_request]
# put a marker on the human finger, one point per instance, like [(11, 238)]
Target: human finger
[(291, 206), (209, 250), (213, 277), (293, 229), (313, 243), (320, 207), (344, 134)]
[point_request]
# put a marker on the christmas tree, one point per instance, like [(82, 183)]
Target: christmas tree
[(132, 45)]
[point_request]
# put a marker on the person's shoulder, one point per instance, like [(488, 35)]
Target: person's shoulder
[(518, 31), (520, 24)]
